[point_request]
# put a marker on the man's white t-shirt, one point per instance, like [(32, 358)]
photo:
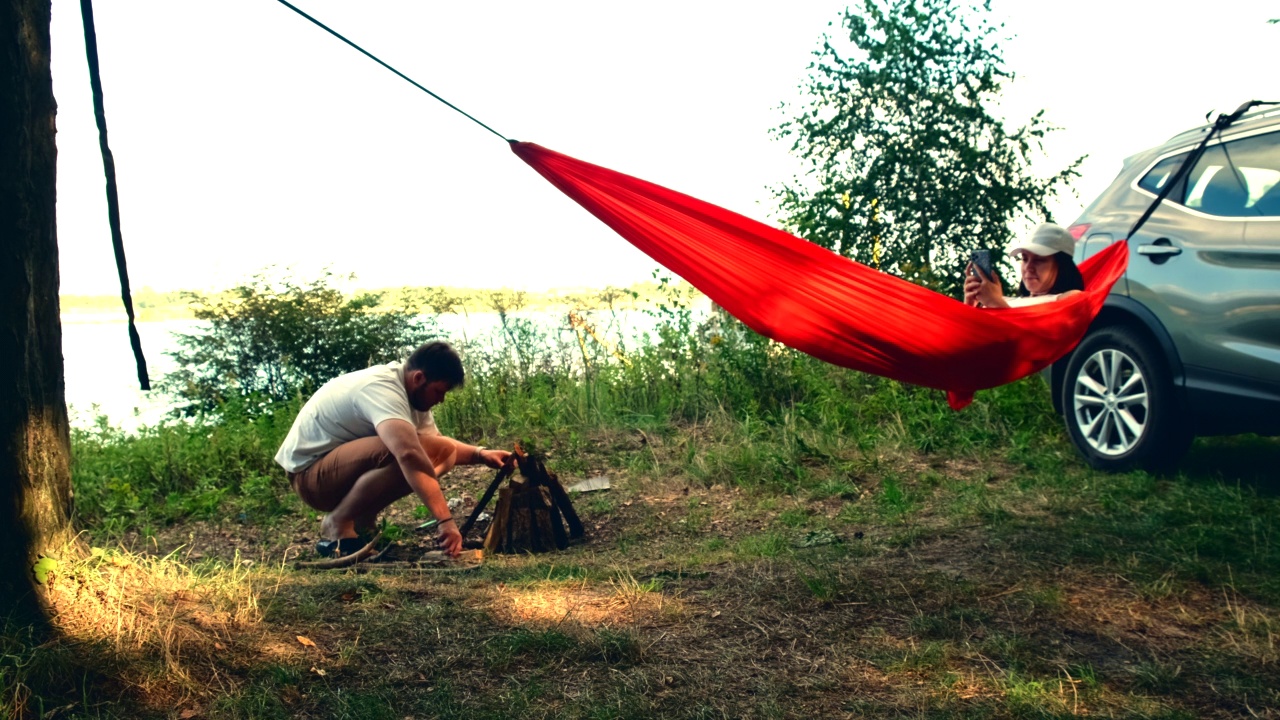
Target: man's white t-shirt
[(346, 408)]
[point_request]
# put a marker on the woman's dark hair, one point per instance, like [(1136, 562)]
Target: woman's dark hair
[(438, 361), (1069, 277)]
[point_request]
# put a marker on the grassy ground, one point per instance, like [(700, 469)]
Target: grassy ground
[(735, 569)]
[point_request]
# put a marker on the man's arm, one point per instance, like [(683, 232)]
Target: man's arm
[(401, 438), (474, 455)]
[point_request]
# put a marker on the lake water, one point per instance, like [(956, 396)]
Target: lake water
[(102, 379)]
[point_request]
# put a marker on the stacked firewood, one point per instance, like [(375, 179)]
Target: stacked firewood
[(533, 514)]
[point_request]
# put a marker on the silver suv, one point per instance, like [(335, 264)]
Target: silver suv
[(1188, 343)]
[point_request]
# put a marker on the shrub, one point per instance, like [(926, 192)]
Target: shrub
[(272, 340)]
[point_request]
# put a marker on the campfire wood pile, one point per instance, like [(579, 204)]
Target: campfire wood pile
[(533, 509)]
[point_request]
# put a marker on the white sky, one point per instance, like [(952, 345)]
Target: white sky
[(246, 137)]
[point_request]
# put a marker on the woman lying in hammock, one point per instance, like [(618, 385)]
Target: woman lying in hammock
[(1048, 272)]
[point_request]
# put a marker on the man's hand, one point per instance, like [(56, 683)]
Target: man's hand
[(450, 539), (493, 458)]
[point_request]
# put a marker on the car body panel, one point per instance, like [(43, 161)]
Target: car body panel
[(1203, 282)]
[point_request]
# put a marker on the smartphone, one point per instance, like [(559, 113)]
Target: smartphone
[(981, 259)]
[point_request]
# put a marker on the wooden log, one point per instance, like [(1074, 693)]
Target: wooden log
[(562, 501), (503, 473), (508, 545), (493, 541), (533, 501), (557, 527)]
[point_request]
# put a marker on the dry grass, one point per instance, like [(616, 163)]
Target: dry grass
[(927, 587), (136, 602), (150, 624)]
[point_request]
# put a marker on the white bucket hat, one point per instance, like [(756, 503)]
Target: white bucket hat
[(1046, 240)]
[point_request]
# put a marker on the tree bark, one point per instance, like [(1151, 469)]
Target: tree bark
[(35, 472)]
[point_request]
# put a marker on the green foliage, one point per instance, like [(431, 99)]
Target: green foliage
[(43, 568), (908, 170), (826, 476), (782, 413), (273, 340), (179, 469)]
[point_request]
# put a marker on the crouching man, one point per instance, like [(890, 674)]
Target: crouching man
[(367, 439)]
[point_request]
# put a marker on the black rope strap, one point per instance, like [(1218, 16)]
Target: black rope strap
[(113, 199), (1222, 122), (376, 59)]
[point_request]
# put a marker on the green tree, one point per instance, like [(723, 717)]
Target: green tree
[(907, 168), (268, 341)]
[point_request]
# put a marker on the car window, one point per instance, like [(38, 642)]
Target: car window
[(1157, 176), (1240, 178)]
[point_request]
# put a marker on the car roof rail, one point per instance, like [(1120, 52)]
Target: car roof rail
[(1251, 110), (1246, 111)]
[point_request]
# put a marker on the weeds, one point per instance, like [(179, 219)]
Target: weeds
[(782, 539)]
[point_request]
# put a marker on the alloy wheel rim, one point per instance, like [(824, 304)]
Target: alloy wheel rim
[(1111, 402)]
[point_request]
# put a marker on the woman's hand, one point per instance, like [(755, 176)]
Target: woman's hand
[(971, 284), (981, 290)]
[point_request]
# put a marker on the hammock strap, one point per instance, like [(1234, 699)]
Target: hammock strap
[(1194, 156), (113, 199), (378, 60)]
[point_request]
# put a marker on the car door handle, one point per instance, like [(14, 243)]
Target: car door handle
[(1159, 251)]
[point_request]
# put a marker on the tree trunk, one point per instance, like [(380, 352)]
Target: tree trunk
[(35, 472)]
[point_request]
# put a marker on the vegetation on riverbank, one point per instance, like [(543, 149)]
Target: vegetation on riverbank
[(783, 539)]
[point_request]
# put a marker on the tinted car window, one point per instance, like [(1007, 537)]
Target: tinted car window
[(1236, 179), (1157, 176)]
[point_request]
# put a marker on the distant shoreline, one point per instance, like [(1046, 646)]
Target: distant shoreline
[(153, 306)]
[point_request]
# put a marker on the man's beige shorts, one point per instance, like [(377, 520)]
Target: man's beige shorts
[(324, 483)]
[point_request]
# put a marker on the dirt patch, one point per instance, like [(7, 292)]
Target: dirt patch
[(895, 616)]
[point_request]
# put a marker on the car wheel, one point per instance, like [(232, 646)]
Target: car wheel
[(1119, 403)]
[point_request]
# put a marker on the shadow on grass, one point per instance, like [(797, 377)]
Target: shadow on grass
[(1249, 460)]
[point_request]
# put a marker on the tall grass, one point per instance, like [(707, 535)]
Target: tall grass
[(773, 408), (968, 561), (178, 469), (692, 369)]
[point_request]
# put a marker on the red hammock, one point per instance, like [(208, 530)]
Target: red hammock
[(828, 306)]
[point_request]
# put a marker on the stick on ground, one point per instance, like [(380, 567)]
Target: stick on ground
[(366, 552)]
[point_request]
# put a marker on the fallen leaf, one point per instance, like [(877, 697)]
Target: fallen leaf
[(188, 714), (306, 641), (348, 596), (318, 671), (219, 646)]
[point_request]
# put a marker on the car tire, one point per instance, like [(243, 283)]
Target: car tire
[(1119, 403)]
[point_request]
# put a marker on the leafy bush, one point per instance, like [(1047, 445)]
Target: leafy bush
[(273, 340), (179, 469), (774, 413)]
